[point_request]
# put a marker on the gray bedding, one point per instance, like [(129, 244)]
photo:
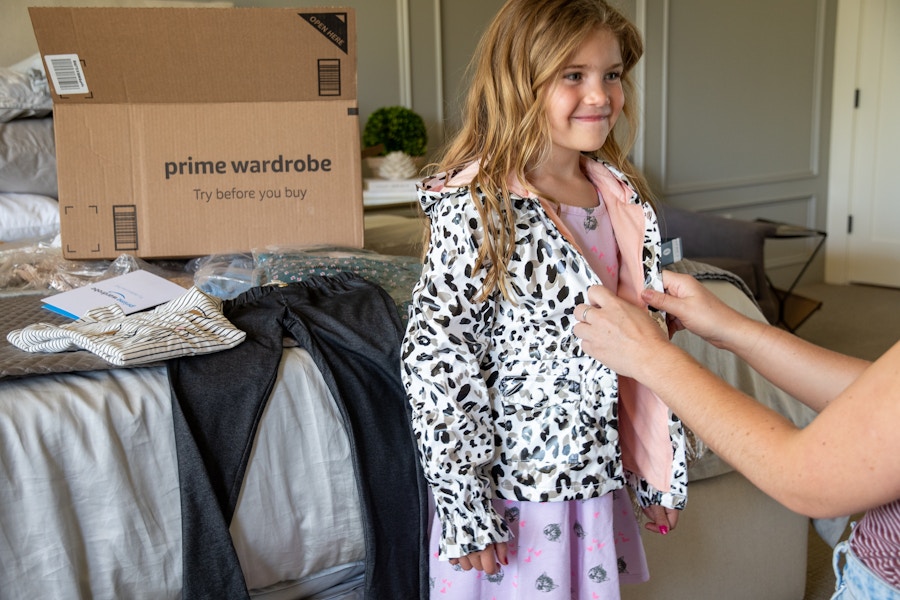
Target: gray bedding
[(19, 311)]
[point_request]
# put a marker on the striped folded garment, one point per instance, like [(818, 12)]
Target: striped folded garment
[(188, 325)]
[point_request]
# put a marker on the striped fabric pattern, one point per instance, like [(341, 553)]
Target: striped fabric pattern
[(876, 541), (190, 324)]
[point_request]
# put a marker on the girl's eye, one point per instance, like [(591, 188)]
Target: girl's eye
[(614, 76), (572, 76)]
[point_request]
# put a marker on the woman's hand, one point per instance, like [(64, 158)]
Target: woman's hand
[(488, 560), (620, 335), (693, 307)]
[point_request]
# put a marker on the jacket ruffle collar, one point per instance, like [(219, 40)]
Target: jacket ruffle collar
[(603, 175)]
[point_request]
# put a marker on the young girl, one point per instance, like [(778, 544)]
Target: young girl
[(525, 440)]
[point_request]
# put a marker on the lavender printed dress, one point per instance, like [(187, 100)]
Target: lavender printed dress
[(576, 550)]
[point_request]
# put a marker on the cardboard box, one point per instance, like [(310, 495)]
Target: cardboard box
[(185, 132)]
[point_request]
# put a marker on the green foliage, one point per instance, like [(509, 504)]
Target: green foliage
[(398, 129)]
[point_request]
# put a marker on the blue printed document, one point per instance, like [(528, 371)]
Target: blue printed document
[(133, 292)]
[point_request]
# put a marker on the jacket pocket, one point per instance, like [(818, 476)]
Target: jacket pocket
[(555, 416)]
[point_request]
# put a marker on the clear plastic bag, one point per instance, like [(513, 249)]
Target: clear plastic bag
[(225, 276), (397, 275), (38, 266)]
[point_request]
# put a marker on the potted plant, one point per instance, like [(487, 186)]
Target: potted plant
[(396, 134)]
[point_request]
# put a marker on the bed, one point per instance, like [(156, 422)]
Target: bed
[(92, 498), (90, 486), (90, 490), (92, 501)]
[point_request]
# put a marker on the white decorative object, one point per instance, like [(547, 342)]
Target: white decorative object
[(379, 185), (397, 165)]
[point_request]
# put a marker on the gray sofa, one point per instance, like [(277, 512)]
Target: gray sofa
[(730, 244)]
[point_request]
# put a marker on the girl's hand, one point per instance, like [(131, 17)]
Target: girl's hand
[(662, 520), (488, 560)]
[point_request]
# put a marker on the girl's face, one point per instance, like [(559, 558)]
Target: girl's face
[(587, 97)]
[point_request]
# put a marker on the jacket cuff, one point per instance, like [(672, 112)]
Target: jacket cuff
[(647, 495), (470, 528)]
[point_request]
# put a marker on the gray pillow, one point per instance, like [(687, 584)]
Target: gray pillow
[(28, 157), (24, 91)]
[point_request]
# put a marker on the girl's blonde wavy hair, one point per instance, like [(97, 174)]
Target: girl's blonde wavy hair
[(504, 123)]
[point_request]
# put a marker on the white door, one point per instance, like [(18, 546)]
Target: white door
[(874, 234)]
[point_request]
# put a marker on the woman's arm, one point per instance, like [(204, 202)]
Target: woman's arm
[(816, 375), (843, 462)]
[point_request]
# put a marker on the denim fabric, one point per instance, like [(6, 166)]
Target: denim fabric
[(855, 581), (351, 329)]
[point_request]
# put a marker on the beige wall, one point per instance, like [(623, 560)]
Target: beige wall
[(17, 39), (737, 94), (738, 107)]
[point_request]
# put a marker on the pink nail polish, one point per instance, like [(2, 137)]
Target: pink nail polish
[(663, 529)]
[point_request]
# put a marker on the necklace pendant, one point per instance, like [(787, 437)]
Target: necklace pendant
[(590, 221)]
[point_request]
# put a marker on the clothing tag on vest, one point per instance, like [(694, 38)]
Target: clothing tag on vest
[(670, 251)]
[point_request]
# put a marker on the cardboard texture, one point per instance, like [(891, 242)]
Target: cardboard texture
[(185, 132)]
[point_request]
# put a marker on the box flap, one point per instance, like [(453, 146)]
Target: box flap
[(192, 55)]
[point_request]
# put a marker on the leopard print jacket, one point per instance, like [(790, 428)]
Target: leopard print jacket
[(505, 403)]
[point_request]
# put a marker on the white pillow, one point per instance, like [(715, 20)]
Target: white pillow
[(27, 216), (24, 91), (28, 157)]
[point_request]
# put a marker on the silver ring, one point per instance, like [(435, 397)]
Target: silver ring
[(585, 312)]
